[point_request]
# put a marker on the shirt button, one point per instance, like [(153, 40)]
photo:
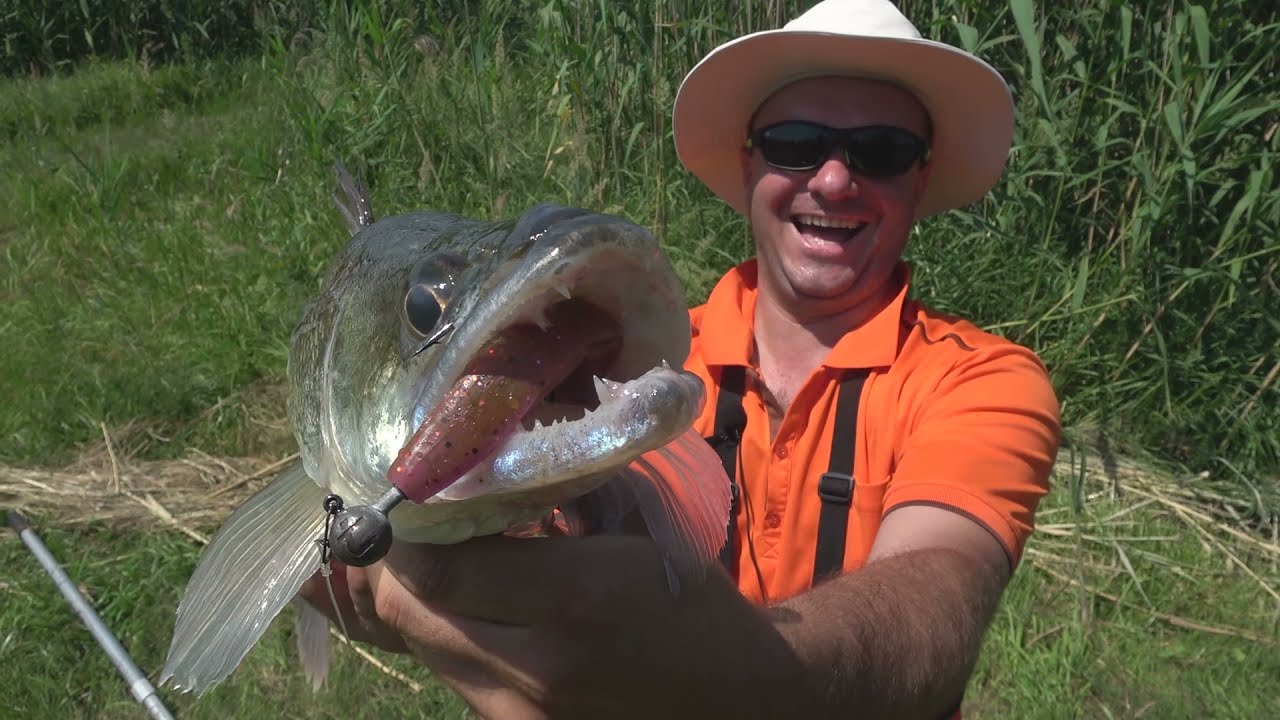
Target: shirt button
[(782, 452), (772, 520)]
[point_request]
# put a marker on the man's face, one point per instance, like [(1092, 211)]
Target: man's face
[(828, 239)]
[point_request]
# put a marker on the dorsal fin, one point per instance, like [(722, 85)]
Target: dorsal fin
[(353, 200)]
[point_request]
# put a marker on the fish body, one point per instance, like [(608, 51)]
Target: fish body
[(493, 372)]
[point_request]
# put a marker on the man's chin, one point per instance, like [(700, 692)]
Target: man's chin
[(824, 289)]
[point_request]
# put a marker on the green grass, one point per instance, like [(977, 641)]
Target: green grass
[(1056, 650), (55, 669), (161, 225)]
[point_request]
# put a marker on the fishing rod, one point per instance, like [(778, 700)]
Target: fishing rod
[(142, 689)]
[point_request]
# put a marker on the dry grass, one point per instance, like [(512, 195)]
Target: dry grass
[(194, 494), (1119, 552)]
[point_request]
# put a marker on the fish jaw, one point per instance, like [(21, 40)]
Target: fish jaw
[(606, 265), (636, 452), (632, 418)]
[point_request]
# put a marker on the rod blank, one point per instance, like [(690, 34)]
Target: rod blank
[(142, 689)]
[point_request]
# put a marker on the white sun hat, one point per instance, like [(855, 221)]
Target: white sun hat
[(969, 104)]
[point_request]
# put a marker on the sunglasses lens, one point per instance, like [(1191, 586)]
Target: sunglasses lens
[(874, 151), (793, 146), (882, 152)]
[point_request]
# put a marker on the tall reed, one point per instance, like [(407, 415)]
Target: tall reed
[(1133, 241)]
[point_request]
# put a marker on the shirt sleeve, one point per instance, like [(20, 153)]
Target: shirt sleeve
[(983, 443)]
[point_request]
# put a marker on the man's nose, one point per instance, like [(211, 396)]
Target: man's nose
[(833, 179)]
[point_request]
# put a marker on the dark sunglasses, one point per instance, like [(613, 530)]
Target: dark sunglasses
[(875, 151)]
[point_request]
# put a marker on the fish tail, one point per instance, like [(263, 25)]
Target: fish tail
[(313, 643), (353, 203), (255, 565)]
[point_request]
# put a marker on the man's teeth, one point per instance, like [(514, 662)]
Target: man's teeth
[(826, 222)]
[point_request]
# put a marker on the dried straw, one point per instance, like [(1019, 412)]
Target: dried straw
[(195, 493)]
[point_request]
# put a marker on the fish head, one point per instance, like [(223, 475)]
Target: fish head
[(362, 383)]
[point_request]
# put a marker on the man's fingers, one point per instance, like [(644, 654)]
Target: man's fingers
[(501, 655), (532, 581), (355, 612)]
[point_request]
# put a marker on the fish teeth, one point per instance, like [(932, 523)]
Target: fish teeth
[(605, 389), (563, 290), (539, 318)]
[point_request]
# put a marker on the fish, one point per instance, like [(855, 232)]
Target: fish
[(502, 375)]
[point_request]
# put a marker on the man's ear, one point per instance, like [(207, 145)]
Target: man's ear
[(922, 178)]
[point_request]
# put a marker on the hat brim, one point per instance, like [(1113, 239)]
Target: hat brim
[(968, 103)]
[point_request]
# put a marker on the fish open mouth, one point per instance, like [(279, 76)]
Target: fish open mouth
[(575, 393), (526, 376), (556, 370)]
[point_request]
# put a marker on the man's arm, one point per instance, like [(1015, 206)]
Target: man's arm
[(899, 638), (568, 627)]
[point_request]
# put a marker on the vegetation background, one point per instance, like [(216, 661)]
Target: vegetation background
[(165, 170)]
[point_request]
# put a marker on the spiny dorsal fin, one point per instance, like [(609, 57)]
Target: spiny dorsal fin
[(353, 202)]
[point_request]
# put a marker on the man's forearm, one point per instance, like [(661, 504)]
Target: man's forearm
[(898, 638)]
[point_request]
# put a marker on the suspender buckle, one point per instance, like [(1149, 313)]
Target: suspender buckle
[(836, 488)]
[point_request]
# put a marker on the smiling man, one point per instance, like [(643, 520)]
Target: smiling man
[(858, 424), (887, 460)]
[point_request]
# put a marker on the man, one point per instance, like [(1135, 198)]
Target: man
[(856, 589)]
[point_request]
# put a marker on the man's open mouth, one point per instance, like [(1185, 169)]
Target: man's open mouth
[(828, 228)]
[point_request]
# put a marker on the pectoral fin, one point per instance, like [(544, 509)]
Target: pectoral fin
[(683, 495), (255, 565)]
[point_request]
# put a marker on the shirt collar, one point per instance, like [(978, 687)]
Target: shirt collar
[(729, 318)]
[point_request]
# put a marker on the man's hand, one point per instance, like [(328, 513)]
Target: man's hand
[(566, 627)]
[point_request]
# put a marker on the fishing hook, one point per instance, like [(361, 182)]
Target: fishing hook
[(435, 338)]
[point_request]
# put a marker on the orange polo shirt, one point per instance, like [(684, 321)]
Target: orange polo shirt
[(949, 416)]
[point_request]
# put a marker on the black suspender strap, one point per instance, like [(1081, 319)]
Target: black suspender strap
[(730, 421), (836, 486)]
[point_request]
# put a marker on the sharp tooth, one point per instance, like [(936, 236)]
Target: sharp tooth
[(604, 388), (539, 318), (563, 290)]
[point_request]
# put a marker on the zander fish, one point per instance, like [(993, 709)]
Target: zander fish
[(491, 372)]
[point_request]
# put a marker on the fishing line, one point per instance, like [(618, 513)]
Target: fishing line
[(332, 506)]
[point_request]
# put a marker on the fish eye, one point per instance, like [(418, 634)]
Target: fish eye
[(431, 282), (423, 308)]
